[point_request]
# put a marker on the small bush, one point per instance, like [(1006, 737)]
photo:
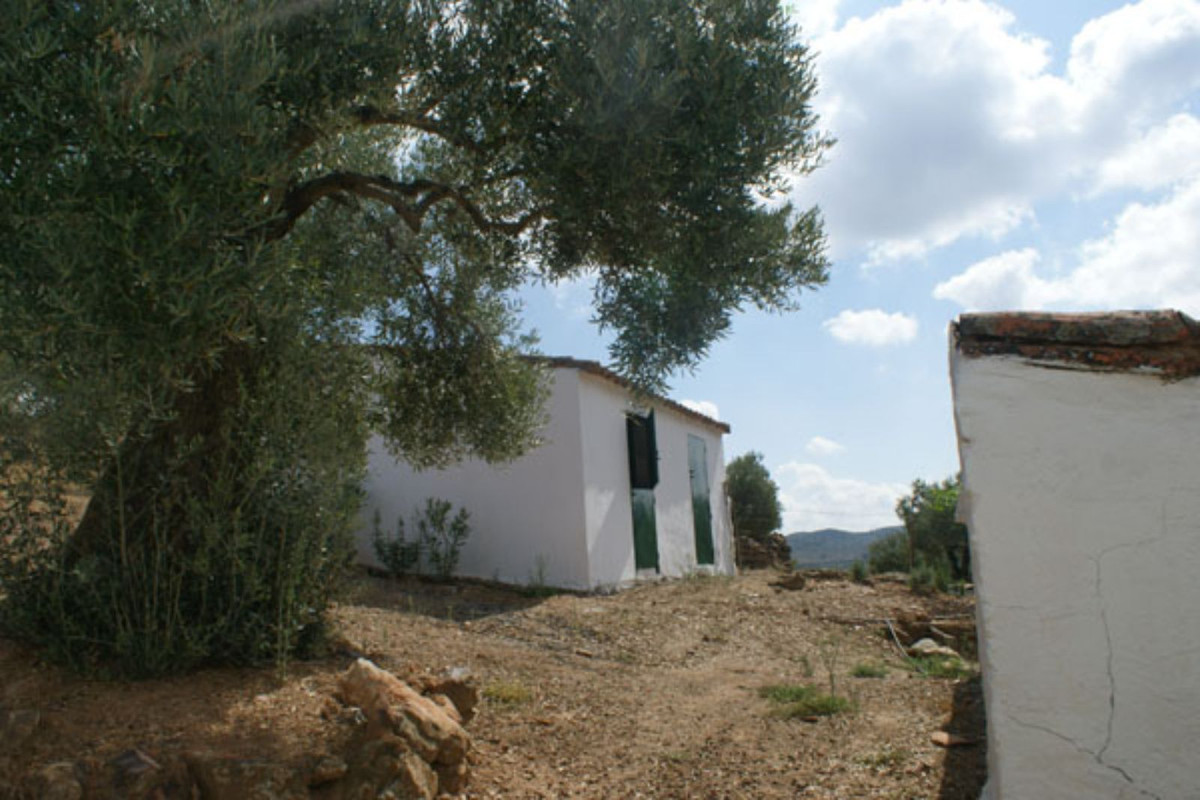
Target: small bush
[(889, 554), (928, 577), (858, 572), (507, 693), (442, 536), (398, 555), (799, 700), (869, 669)]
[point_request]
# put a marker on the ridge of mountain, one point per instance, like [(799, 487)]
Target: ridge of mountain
[(831, 548)]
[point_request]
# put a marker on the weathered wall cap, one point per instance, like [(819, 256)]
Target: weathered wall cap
[(1164, 342)]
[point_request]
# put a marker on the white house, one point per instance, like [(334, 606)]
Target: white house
[(1080, 443), (623, 489)]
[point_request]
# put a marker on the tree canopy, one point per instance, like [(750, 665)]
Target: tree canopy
[(934, 534), (753, 497), (234, 234)]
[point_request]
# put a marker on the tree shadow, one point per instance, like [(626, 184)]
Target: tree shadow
[(457, 600), (965, 768)]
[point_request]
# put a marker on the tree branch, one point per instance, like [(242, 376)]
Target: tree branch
[(410, 200), (369, 115)]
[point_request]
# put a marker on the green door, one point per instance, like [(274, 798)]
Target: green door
[(645, 534), (701, 508)]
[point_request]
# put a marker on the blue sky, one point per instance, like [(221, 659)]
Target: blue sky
[(1007, 155)]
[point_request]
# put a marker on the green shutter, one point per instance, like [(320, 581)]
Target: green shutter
[(701, 508)]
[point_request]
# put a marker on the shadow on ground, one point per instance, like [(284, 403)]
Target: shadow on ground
[(455, 601), (966, 766)]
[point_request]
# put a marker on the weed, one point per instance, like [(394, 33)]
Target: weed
[(800, 700), (507, 693), (537, 587), (830, 653), (806, 667), (869, 669), (858, 572)]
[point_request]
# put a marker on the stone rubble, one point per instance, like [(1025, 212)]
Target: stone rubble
[(407, 742)]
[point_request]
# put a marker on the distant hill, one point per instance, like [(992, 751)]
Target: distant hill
[(834, 548)]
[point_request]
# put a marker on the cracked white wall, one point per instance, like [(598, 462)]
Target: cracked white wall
[(1082, 496)]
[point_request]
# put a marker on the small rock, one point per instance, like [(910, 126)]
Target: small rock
[(793, 581), (133, 771), (928, 647), (460, 687), (419, 721), (220, 777), (59, 781), (946, 739), (16, 727), (327, 769)]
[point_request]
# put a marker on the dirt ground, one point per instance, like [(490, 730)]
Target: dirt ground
[(651, 692)]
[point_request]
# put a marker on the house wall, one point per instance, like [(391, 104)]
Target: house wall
[(1081, 497), (607, 495), (523, 514)]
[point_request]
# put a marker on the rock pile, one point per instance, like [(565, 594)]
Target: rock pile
[(773, 551), (407, 743)]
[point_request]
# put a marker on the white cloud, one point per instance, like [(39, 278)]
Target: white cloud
[(813, 498), (950, 123), (1165, 155), (872, 327), (815, 17), (1002, 282), (705, 407), (1131, 61), (820, 446), (1147, 260)]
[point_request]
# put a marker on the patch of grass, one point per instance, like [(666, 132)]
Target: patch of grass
[(800, 700), (935, 666), (869, 669), (507, 693), (884, 758)]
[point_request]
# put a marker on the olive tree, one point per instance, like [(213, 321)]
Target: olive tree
[(753, 497), (236, 234)]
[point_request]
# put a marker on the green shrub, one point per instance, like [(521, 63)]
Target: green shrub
[(800, 700), (399, 556), (858, 572), (929, 576), (234, 567), (442, 536), (889, 554)]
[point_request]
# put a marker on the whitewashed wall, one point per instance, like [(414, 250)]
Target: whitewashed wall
[(522, 514), (566, 506), (606, 475), (1082, 495)]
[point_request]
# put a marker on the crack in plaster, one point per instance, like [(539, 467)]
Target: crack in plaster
[(1098, 755), (1097, 562), (1080, 748)]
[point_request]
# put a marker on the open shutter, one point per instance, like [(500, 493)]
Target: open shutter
[(643, 452)]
